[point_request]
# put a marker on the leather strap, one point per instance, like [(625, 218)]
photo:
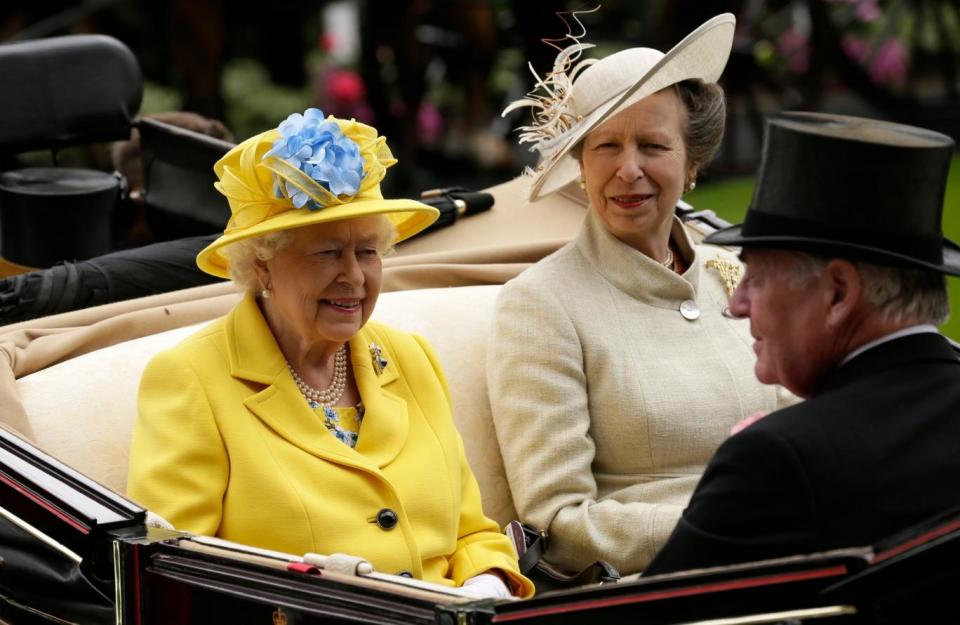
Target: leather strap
[(534, 551), (600, 571), (531, 544)]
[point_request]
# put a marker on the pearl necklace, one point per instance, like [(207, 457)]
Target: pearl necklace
[(668, 262), (338, 383)]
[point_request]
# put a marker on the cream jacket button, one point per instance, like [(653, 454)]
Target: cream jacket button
[(387, 519), (689, 310)]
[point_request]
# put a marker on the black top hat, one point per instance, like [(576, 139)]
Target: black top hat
[(854, 187)]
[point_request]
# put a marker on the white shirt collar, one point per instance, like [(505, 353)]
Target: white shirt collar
[(918, 329)]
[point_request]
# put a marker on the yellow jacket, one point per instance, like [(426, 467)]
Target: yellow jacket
[(225, 445)]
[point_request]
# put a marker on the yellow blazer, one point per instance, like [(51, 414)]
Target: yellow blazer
[(225, 445)]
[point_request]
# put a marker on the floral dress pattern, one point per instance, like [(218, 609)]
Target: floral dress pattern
[(342, 421)]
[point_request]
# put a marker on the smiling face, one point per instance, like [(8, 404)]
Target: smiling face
[(325, 282), (635, 169)]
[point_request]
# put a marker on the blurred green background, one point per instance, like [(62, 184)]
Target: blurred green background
[(729, 200), (433, 75)]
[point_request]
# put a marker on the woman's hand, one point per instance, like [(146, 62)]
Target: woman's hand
[(487, 585)]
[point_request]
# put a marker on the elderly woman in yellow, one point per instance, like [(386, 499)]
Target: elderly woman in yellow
[(293, 423)]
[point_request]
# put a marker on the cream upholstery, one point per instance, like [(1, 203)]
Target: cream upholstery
[(82, 410)]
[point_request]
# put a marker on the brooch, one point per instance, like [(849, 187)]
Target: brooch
[(379, 362), (730, 273)]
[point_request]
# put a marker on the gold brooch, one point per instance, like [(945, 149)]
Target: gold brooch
[(730, 273), (379, 362)]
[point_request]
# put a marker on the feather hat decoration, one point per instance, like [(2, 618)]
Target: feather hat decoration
[(550, 98), (580, 94)]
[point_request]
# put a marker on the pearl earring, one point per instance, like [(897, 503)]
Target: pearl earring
[(266, 293), (583, 184), (692, 186)]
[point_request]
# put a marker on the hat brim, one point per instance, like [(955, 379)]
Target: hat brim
[(702, 54), (733, 236), (408, 216)]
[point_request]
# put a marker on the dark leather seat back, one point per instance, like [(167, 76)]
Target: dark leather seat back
[(67, 90), (54, 93), (178, 180)]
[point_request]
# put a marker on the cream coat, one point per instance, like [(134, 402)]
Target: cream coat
[(225, 445), (607, 402)]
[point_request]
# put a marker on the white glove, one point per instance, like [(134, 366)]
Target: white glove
[(487, 585), (343, 563), (155, 520)]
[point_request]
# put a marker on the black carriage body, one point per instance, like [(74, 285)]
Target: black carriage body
[(73, 551)]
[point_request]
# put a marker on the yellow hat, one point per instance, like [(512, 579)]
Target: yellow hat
[(307, 171)]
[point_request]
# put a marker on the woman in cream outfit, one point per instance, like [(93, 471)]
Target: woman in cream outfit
[(294, 423), (614, 369)]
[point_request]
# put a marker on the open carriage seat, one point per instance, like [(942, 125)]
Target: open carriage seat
[(82, 410), (69, 382)]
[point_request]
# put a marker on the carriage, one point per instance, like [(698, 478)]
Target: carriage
[(74, 549)]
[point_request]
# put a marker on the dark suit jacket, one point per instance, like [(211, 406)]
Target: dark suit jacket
[(874, 450)]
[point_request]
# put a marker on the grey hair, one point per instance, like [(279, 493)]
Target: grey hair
[(706, 119), (243, 255), (900, 294)]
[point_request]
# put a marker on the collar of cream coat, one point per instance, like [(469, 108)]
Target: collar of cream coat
[(635, 273), (254, 355)]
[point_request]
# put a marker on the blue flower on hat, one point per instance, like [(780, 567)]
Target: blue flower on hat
[(317, 147)]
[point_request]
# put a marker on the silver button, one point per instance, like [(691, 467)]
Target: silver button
[(689, 310)]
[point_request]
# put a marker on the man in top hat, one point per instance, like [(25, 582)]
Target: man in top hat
[(844, 287)]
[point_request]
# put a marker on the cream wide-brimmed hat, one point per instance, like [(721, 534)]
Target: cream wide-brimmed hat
[(572, 101), (309, 170)]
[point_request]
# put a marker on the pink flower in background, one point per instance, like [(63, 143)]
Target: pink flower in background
[(345, 87), (868, 11), (888, 65), (326, 42), (343, 94), (854, 47), (430, 122), (794, 46)]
